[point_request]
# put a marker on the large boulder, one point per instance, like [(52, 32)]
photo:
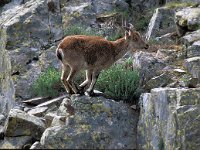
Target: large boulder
[(16, 142), (92, 122), (191, 37), (187, 19), (6, 83), (20, 123), (148, 65), (169, 119), (192, 65), (194, 50), (161, 23), (29, 28)]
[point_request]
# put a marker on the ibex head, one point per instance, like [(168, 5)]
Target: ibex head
[(134, 38)]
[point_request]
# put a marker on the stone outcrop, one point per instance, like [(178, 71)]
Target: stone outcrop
[(78, 122), (28, 27), (169, 119), (92, 123), (161, 23), (22, 142), (193, 50), (192, 65), (20, 123), (187, 19), (7, 90), (148, 65)]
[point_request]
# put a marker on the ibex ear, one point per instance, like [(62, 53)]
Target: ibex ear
[(126, 35)]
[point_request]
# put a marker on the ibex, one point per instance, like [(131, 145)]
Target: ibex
[(93, 54)]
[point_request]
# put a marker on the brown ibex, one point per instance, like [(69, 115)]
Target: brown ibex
[(93, 54)]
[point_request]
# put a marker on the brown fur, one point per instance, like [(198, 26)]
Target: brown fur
[(93, 54)]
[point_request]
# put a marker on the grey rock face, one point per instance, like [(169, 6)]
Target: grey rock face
[(191, 37), (15, 142), (194, 50), (188, 18), (148, 65), (28, 28), (20, 123), (95, 123), (6, 83), (161, 23), (169, 119), (36, 145), (192, 65)]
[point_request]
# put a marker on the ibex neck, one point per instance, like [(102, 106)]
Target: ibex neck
[(121, 47)]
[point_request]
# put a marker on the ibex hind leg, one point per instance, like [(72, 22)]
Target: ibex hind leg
[(64, 75), (90, 90), (87, 82), (70, 78)]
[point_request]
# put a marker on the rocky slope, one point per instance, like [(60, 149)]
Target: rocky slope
[(169, 115), (169, 76)]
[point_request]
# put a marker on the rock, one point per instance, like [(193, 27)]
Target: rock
[(188, 97), (34, 28), (188, 81), (36, 145), (102, 123), (169, 119), (36, 101), (121, 4), (54, 102), (159, 81), (59, 121), (2, 119), (192, 65), (148, 66), (189, 121), (38, 112), (3, 2), (15, 142), (66, 108), (191, 37), (20, 123), (49, 118), (152, 3), (161, 23), (169, 38), (187, 18), (1, 132), (6, 82), (193, 50)]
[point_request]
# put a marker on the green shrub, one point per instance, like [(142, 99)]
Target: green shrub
[(48, 83), (80, 30), (114, 36), (119, 83), (142, 23)]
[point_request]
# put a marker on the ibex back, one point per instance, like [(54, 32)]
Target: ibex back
[(93, 54)]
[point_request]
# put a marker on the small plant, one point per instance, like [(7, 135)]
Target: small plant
[(48, 84), (116, 35), (119, 83), (80, 30), (142, 23), (180, 4)]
